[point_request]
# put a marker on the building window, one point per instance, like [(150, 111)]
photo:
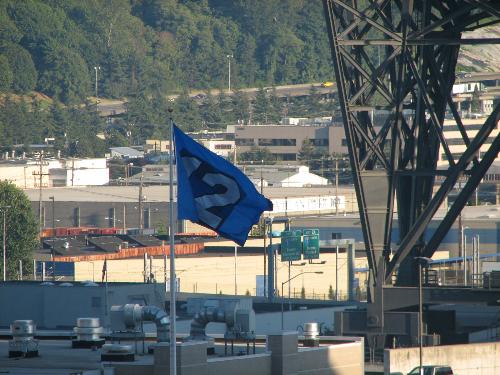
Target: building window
[(336, 236), (245, 142), (223, 147), (322, 142), (277, 142)]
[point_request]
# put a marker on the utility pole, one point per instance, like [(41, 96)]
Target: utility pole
[(72, 172), (40, 174), (124, 217), (4, 211), (53, 237), (460, 234), (40, 194), (96, 68), (141, 220), (264, 226), (229, 57), (336, 186)]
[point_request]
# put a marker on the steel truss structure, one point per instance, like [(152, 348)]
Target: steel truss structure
[(398, 57)]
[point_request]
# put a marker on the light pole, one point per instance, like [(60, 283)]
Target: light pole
[(421, 261), (4, 211), (465, 253), (282, 287), (53, 237), (96, 68), (229, 57)]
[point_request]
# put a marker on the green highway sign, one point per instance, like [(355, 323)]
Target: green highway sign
[(291, 245), (311, 243)]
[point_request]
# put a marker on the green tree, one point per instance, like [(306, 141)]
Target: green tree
[(241, 107), (21, 229), (331, 293), (64, 75), (23, 68), (475, 104), (262, 107), (257, 154), (306, 152), (187, 113), (6, 76), (211, 112)]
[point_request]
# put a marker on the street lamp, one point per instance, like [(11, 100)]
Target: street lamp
[(229, 57), (53, 238), (4, 211), (422, 261), (96, 68), (283, 284)]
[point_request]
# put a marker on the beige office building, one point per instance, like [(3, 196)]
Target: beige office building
[(285, 141), (455, 141)]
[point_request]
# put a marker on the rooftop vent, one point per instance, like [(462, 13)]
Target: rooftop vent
[(88, 333), (23, 344), (311, 333), (117, 353)]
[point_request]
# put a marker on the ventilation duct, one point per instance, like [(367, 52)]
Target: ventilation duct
[(240, 322), (128, 319)]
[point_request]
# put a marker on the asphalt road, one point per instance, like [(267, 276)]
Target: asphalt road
[(115, 107), (108, 108)]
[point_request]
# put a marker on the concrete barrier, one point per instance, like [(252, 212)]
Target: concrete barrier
[(464, 359)]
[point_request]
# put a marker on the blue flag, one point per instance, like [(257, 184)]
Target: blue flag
[(213, 192)]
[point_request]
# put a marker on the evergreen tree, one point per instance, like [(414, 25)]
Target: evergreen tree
[(23, 68), (306, 152), (261, 108), (211, 113), (241, 107), (331, 293), (6, 75)]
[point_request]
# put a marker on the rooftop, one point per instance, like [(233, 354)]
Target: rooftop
[(160, 193)]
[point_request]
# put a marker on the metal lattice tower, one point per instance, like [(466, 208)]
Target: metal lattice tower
[(400, 56)]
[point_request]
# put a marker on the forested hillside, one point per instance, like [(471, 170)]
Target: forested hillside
[(143, 50), (158, 46)]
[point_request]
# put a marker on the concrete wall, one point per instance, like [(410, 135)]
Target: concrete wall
[(341, 359), (103, 214), (196, 274), (59, 306), (242, 365), (466, 359), (268, 322), (283, 357)]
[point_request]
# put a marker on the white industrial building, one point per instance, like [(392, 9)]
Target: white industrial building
[(220, 147), (27, 173), (283, 176), (80, 172), (125, 153)]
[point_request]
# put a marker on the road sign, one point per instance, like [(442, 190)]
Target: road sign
[(311, 243), (291, 245)]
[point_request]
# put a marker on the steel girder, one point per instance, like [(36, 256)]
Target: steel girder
[(398, 57)]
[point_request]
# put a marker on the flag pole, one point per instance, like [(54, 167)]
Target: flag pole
[(173, 357)]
